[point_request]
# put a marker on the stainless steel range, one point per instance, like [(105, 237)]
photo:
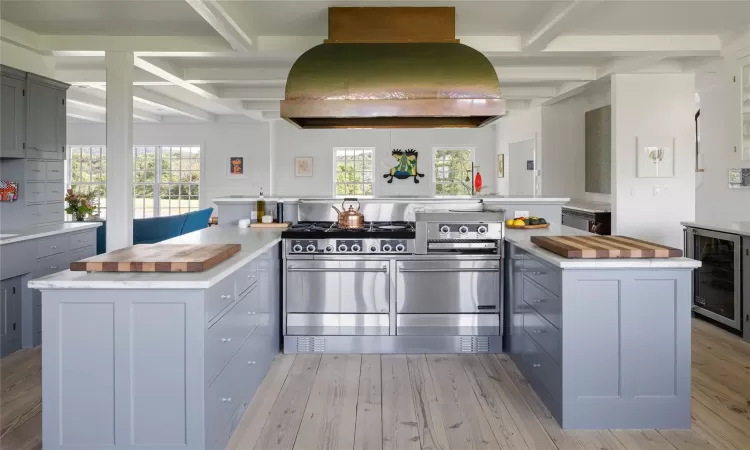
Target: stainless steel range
[(395, 287)]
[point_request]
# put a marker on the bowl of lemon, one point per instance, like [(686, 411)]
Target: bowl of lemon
[(526, 223)]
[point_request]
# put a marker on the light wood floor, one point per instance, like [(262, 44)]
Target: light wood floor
[(434, 402)]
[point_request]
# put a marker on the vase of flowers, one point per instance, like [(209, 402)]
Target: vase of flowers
[(79, 205)]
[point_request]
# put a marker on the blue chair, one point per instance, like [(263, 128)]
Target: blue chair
[(197, 220)]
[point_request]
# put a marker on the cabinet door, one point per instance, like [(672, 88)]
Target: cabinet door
[(10, 316), (45, 121), (13, 117)]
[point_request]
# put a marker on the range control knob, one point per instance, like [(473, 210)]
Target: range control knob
[(387, 248), (310, 248), (445, 229), (343, 248), (373, 248), (297, 248), (356, 248), (482, 229), (463, 229), (328, 249), (400, 248)]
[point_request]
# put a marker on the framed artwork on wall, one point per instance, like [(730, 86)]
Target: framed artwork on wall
[(501, 165), (236, 167), (303, 167), (655, 157)]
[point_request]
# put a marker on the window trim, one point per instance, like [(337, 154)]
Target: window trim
[(334, 167), (433, 171), (68, 176)]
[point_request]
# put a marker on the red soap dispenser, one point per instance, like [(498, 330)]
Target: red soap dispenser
[(477, 182)]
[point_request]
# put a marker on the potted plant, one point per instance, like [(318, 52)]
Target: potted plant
[(79, 205)]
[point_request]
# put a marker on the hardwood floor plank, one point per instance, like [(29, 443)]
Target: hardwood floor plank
[(26, 436), (643, 439), (506, 431), (331, 412), (730, 342), (257, 413), (429, 415), (400, 430), (730, 409), (718, 432), (686, 440), (466, 425), (368, 433), (280, 430)]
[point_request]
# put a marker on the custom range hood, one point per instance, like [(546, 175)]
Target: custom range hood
[(394, 67)]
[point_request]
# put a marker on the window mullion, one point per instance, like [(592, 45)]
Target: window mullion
[(157, 180)]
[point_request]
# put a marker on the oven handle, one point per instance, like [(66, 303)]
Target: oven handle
[(352, 269), (452, 269)]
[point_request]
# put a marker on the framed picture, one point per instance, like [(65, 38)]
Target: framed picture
[(303, 167), (501, 165), (655, 157), (236, 167)]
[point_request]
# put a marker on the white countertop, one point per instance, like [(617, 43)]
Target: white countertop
[(254, 243), (589, 207), (521, 239), (741, 228), (521, 199), (44, 231), (405, 199), (250, 199)]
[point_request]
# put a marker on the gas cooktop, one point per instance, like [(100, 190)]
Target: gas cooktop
[(329, 230)]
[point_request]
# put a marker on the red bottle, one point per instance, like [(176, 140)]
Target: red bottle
[(477, 182)]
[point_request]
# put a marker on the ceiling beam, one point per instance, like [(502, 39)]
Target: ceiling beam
[(69, 42), (709, 44), (527, 92), (627, 65), (221, 21), (98, 76), (527, 74), (146, 96), (207, 75), (87, 101), (262, 105), (551, 26), (252, 93), (79, 112)]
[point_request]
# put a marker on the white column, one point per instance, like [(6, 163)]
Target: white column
[(119, 149)]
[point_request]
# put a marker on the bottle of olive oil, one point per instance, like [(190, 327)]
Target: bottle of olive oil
[(260, 207)]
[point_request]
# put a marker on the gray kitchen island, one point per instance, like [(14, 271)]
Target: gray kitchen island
[(159, 360)]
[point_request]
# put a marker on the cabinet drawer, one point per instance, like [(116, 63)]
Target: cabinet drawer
[(228, 333), (55, 192), (55, 170), (84, 239), (219, 297), (544, 275), (81, 253), (36, 192), (221, 401), (36, 170), (544, 333), (52, 264), (546, 304), (51, 246), (46, 213), (543, 369), (246, 277)]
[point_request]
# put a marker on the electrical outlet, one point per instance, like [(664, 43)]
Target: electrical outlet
[(662, 190), (521, 214)]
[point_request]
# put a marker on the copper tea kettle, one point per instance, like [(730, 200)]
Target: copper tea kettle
[(350, 218)]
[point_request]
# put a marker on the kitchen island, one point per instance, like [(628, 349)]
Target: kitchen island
[(159, 360), (605, 343)]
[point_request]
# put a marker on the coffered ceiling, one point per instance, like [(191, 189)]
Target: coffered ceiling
[(201, 60)]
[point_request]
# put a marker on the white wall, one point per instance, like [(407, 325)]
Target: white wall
[(218, 141), (564, 134), (652, 105), (518, 125), (290, 142), (720, 133)]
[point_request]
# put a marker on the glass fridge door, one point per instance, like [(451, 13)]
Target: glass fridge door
[(717, 283)]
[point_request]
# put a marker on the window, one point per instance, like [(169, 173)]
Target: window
[(452, 171), (166, 180), (87, 172), (353, 171)]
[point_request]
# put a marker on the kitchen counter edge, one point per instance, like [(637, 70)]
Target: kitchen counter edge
[(48, 230)]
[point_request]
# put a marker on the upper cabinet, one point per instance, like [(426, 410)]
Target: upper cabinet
[(12, 113), (745, 102), (33, 116)]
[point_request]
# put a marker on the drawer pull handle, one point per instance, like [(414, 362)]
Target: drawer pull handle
[(226, 340), (251, 313), (35, 170), (52, 246), (539, 331), (536, 366), (251, 363), (53, 267), (540, 300), (226, 296), (226, 399)]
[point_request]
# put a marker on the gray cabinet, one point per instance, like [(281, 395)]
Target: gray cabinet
[(12, 114), (746, 286), (10, 316), (45, 120)]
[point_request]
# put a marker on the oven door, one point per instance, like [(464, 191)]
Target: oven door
[(448, 286), (337, 287)]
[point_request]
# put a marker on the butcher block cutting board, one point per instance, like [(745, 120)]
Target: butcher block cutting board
[(159, 258), (600, 247)]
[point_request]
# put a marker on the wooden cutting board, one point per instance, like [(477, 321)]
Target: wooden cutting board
[(601, 247), (282, 225), (159, 258)]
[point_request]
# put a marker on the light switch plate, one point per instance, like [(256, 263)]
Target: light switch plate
[(521, 214)]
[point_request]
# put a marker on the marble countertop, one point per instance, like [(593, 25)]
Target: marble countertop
[(44, 231), (254, 243), (521, 239), (405, 199), (741, 228), (590, 207)]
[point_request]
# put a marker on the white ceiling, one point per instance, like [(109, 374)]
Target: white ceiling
[(203, 59)]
